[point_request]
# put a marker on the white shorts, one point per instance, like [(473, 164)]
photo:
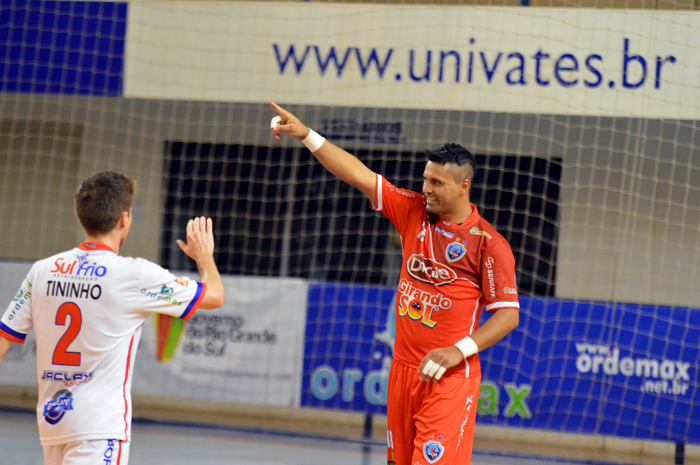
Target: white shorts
[(95, 452)]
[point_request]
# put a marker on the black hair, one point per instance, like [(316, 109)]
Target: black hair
[(455, 154)]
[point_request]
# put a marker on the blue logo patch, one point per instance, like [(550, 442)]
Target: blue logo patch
[(444, 233), (432, 451), (57, 407), (455, 251), (165, 290)]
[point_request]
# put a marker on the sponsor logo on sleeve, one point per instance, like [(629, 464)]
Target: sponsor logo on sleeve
[(492, 282), (56, 408), (398, 190), (455, 251), (163, 294), (20, 299), (510, 290), (433, 451), (183, 281)]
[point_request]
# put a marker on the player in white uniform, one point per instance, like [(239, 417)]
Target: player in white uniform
[(87, 307)]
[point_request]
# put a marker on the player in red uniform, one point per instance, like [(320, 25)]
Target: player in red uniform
[(455, 264)]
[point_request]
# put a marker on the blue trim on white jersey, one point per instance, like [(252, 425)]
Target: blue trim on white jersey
[(194, 300), (11, 331)]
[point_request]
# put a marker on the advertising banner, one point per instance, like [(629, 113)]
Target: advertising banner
[(247, 352), (617, 369), (605, 368), (510, 59), (571, 61), (348, 346)]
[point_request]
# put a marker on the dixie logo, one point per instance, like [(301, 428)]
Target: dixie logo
[(429, 271)]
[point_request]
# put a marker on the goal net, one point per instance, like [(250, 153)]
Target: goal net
[(583, 121)]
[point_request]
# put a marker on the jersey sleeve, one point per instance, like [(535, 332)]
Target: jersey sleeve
[(163, 292), (498, 276), (17, 320), (397, 204)]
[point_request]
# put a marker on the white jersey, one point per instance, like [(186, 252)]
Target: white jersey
[(87, 307)]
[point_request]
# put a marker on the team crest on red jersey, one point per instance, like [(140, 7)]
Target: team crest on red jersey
[(455, 251), (432, 451)]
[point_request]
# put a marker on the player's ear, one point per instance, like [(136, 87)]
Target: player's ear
[(125, 219), (464, 186)]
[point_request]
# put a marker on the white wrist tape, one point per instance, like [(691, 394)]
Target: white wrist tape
[(313, 141), (467, 346)]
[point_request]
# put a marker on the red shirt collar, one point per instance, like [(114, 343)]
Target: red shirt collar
[(471, 221), (95, 246)]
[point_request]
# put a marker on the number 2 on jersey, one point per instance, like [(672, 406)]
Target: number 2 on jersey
[(61, 356)]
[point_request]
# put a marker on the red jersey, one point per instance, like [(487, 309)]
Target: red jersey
[(450, 273)]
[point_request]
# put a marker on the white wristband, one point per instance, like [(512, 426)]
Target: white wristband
[(467, 346), (313, 141)]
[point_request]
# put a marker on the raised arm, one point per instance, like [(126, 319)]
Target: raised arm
[(336, 160), (200, 248)]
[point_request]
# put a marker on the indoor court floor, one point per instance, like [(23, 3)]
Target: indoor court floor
[(157, 443)]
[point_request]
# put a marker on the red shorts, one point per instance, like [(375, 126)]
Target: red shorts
[(430, 422)]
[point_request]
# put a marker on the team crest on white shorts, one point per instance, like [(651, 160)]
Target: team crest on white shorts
[(455, 251), (432, 451)]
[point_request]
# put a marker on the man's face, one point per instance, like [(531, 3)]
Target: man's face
[(442, 191)]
